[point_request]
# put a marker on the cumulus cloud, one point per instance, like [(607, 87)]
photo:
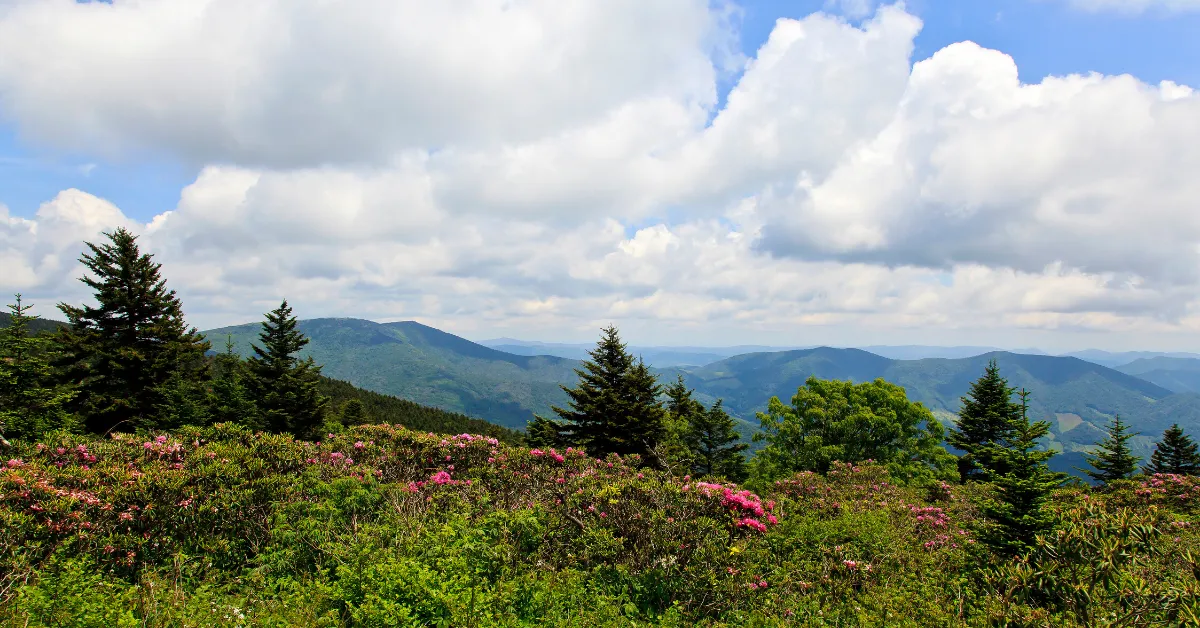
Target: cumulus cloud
[(557, 166)]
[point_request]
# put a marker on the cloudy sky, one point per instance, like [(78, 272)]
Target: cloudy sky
[(1003, 172)]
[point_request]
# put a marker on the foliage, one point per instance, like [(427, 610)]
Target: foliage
[(284, 387), (231, 400), (703, 441), (32, 403), (1176, 453), (831, 421), (614, 408), (123, 352), (1015, 512), (384, 526), (1113, 461), (987, 417)]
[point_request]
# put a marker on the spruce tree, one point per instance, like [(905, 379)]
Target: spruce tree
[(1113, 461), (231, 400), (354, 412), (1176, 453), (615, 407), (987, 417), (543, 432), (32, 403), (1015, 513), (283, 386), (717, 451), (127, 350), (680, 443)]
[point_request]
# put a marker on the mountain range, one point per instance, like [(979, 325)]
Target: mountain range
[(428, 366)]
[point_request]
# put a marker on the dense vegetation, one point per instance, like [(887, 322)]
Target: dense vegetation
[(148, 483), (380, 526)]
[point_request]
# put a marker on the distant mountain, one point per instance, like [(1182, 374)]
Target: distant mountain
[(920, 352), (430, 367), (422, 364), (1176, 374), (1115, 359), (1076, 396), (658, 357)]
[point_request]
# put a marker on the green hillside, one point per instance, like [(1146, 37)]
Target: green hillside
[(37, 325), (431, 367)]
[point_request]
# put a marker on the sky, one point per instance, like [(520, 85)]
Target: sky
[(1009, 173)]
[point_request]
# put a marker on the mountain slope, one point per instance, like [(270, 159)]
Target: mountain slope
[(427, 366)]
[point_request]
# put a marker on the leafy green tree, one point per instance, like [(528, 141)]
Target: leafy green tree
[(1015, 513), (987, 417), (283, 386), (126, 352), (1176, 453), (615, 407), (717, 450), (231, 400), (1113, 461), (32, 403), (832, 420)]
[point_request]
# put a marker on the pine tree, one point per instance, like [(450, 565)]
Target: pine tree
[(1113, 461), (283, 386), (1016, 512), (986, 418), (717, 451), (615, 407), (31, 402), (231, 400), (124, 352), (680, 443), (543, 432), (1176, 453)]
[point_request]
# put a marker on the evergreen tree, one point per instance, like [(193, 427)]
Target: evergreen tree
[(354, 412), (680, 444), (987, 417), (283, 386), (1113, 461), (543, 432), (717, 450), (124, 352), (231, 400), (615, 407), (31, 402), (1016, 513), (1175, 453)]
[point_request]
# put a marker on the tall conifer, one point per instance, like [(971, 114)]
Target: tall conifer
[(987, 417), (31, 401), (231, 400), (1113, 461), (1015, 513), (615, 407), (284, 386), (717, 450), (1176, 453), (124, 352)]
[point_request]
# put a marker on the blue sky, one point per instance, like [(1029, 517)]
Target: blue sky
[(1045, 37)]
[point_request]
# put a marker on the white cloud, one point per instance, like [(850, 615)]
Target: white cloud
[(533, 175)]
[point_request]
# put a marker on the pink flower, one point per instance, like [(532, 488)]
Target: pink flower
[(440, 478), (160, 439), (146, 445), (359, 445), (14, 463)]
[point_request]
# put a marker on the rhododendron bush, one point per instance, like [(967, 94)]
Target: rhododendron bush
[(378, 525)]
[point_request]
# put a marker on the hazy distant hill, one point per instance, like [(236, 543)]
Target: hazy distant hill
[(1177, 374), (428, 366), (658, 357), (1076, 396), (1115, 359)]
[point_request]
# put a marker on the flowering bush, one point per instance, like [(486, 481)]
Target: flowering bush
[(379, 524)]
